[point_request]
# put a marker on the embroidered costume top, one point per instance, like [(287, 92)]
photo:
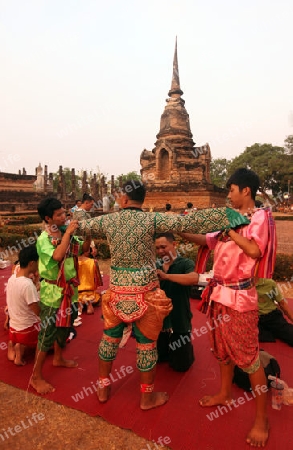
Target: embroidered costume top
[(231, 264), (81, 214), (130, 237)]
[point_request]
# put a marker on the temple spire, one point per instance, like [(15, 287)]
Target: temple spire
[(175, 90)]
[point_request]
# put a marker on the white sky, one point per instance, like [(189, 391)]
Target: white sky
[(83, 83)]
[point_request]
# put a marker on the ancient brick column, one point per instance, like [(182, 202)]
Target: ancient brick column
[(45, 179), (84, 182), (73, 184), (112, 184)]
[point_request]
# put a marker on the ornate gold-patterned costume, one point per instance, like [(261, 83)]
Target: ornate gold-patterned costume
[(134, 294)]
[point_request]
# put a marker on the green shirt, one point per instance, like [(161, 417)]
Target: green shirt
[(51, 294), (268, 293), (180, 317)]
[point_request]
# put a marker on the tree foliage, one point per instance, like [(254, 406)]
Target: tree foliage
[(128, 176), (273, 166), (68, 181), (219, 171), (288, 144)]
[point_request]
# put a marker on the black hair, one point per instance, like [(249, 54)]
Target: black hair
[(86, 197), (168, 207), (48, 206), (258, 204), (189, 205), (135, 190), (168, 235), (243, 178), (28, 254)]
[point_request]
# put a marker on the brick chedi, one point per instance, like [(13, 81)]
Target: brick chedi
[(176, 171)]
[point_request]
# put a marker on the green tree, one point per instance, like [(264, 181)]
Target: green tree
[(68, 181), (288, 144), (128, 176), (219, 171), (272, 164)]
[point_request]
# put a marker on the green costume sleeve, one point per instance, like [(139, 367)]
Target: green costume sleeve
[(201, 221), (81, 214), (91, 227)]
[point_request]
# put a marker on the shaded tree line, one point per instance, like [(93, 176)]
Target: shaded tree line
[(273, 164)]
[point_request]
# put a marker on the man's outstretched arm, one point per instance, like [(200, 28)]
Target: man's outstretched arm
[(199, 239), (186, 279)]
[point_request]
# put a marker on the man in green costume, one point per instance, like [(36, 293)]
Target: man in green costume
[(58, 250)]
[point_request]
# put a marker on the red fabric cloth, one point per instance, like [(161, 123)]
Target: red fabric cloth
[(63, 316), (265, 267), (236, 338), (28, 336)]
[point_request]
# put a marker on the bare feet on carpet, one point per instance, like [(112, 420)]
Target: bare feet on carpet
[(11, 351), (90, 309), (214, 400), (41, 385), (19, 351), (70, 363), (153, 400), (259, 433), (104, 394)]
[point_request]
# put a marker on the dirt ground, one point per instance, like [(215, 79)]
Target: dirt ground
[(58, 428)]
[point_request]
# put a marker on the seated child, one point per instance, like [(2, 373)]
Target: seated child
[(36, 280), (271, 307), (23, 306), (89, 278)]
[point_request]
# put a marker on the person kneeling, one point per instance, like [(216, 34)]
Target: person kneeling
[(176, 276), (23, 306)]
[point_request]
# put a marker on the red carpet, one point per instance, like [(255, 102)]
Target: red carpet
[(181, 420)]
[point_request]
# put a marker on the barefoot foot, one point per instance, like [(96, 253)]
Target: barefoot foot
[(214, 400), (90, 309), (19, 352), (259, 433), (103, 394), (10, 351), (153, 399), (19, 362), (70, 363), (41, 386)]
